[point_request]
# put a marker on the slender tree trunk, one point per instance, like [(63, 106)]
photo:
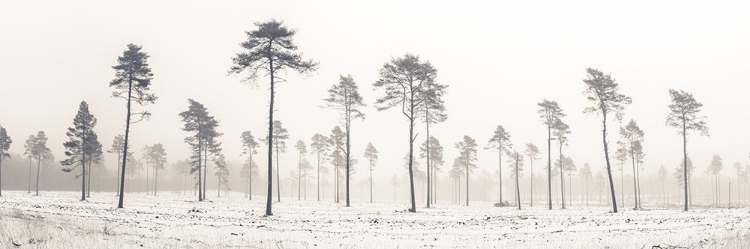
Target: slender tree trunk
[(278, 176), (684, 162), (119, 168), (500, 171), (549, 167), (531, 185), (638, 177), (1, 176), (29, 192), (429, 172), (205, 170), (156, 179), (348, 155), (635, 183), (250, 177), (518, 191), (200, 167), (83, 168), (562, 174), (413, 208), (336, 181), (38, 167), (467, 182), (609, 168), (269, 195), (125, 149), (299, 177)]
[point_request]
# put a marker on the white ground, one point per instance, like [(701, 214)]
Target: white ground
[(59, 220)]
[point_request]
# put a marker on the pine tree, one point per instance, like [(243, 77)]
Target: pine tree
[(249, 148), (550, 112), (203, 126), (500, 141), (684, 115), (320, 146), (532, 151), (468, 156), (5, 143), (371, 154), (270, 49), (79, 146)]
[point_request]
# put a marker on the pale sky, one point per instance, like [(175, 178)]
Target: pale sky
[(499, 60)]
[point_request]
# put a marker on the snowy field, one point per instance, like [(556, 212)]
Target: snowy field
[(59, 220)]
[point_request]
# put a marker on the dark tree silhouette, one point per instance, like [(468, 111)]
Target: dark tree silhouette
[(500, 141), (603, 93), (434, 112), (405, 82), (561, 131), (203, 126), (371, 154), (132, 81), (631, 136), (684, 114), (5, 143), (249, 148), (550, 113), (80, 144), (515, 159), (268, 50), (345, 97), (532, 151), (279, 135), (467, 149), (320, 146)]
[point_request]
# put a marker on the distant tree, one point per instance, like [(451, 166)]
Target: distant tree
[(302, 149), (714, 169), (41, 153), (515, 159), (132, 81), (456, 173), (222, 173), (28, 147), (336, 158), (500, 141), (684, 114), (135, 167), (203, 126), (405, 81), (602, 91), (279, 135), (249, 148), (570, 168), (337, 140), (680, 175), (663, 179), (305, 167), (585, 174), (95, 158), (639, 156), (739, 169), (371, 154), (467, 149), (395, 183), (270, 49), (80, 144), (621, 155), (550, 112), (532, 152), (158, 158), (561, 131), (435, 150), (434, 112), (631, 136), (345, 97), (248, 172), (5, 143), (320, 146), (146, 160), (599, 185), (118, 148), (181, 170)]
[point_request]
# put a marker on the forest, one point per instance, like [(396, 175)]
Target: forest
[(267, 160)]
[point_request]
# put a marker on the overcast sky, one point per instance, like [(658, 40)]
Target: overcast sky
[(499, 59)]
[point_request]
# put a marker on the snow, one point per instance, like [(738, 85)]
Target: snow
[(60, 220)]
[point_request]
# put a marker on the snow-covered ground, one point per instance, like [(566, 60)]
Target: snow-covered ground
[(59, 220)]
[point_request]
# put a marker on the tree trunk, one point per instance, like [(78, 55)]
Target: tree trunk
[(38, 167), (83, 168), (250, 177), (318, 176), (413, 208), (119, 168), (638, 177), (562, 174), (125, 149), (348, 156), (370, 182), (684, 162), (29, 192), (532, 180), (269, 195), (278, 176), (635, 183), (200, 166), (429, 172), (499, 171), (299, 177), (205, 171), (549, 167), (609, 168), (518, 191), (156, 179), (467, 181)]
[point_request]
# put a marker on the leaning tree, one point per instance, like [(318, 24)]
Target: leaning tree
[(132, 83), (270, 50), (345, 97), (405, 83), (603, 92), (500, 141), (550, 112), (684, 114)]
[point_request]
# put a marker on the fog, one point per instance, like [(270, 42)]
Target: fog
[(498, 59)]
